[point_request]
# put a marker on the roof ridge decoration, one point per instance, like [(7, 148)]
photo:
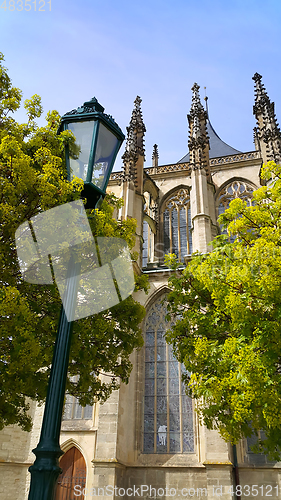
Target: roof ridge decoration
[(135, 142), (267, 130), (198, 136)]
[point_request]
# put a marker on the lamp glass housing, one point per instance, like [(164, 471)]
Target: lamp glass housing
[(98, 138), (104, 156), (98, 146), (83, 132)]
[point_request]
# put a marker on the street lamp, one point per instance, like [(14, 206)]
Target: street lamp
[(99, 139)]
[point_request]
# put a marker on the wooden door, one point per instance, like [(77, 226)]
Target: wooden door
[(73, 474)]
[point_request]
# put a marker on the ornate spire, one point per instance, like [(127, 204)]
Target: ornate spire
[(261, 97), (136, 130), (196, 106), (198, 138), (155, 156), (135, 142), (267, 133)]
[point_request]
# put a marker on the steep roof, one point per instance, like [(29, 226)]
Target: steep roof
[(217, 146)]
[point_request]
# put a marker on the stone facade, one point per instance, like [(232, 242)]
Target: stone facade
[(176, 207)]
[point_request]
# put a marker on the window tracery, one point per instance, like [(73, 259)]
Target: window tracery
[(236, 189), (177, 224), (168, 414)]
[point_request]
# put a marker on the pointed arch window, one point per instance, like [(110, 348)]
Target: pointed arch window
[(177, 224), (168, 414), (235, 189)]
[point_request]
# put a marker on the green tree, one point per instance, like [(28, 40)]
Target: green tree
[(33, 179), (227, 310)]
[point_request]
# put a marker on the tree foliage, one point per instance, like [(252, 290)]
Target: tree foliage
[(227, 310), (33, 179)]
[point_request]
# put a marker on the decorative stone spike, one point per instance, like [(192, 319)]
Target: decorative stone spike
[(155, 153), (256, 139), (196, 106), (135, 142), (155, 156), (200, 176), (133, 174), (262, 101), (267, 133), (198, 139)]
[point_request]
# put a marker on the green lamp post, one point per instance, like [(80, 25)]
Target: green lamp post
[(99, 139)]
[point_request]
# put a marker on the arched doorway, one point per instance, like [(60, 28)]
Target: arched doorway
[(73, 475)]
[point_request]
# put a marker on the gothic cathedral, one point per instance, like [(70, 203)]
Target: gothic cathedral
[(146, 441)]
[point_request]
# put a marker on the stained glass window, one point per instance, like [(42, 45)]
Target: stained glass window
[(236, 189), (168, 414), (177, 224)]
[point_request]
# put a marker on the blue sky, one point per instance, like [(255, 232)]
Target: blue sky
[(116, 50)]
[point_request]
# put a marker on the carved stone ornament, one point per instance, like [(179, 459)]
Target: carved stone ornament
[(179, 199), (198, 137), (236, 189), (267, 130), (135, 142), (196, 106)]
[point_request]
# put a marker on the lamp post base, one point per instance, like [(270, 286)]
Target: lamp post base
[(44, 474)]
